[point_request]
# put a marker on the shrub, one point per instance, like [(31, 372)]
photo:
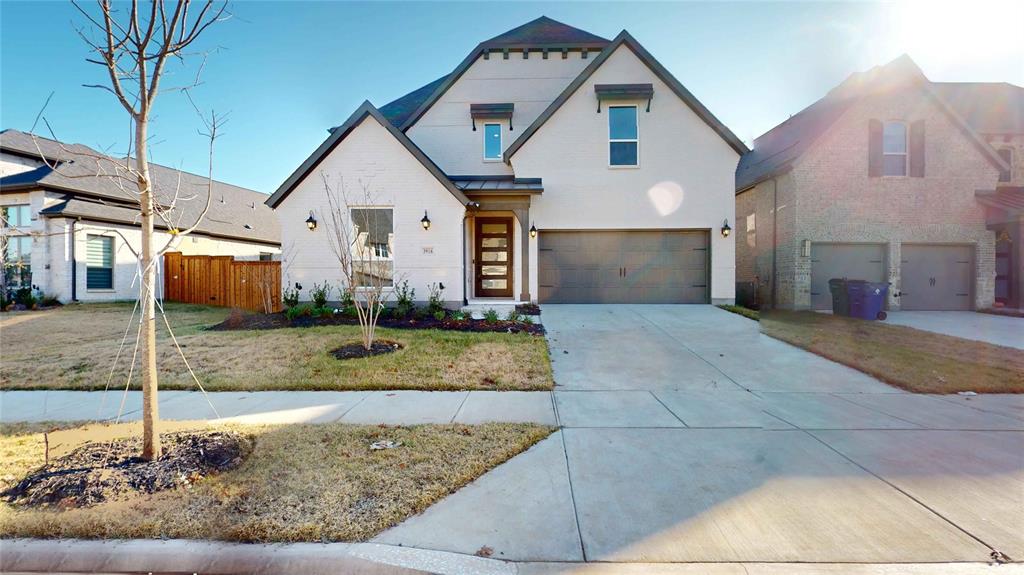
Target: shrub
[(435, 298), (513, 315), (491, 316), (319, 294), (25, 297), (459, 315), (526, 320), (323, 311), (290, 297), (439, 315), (4, 302), (304, 310), (404, 296), (48, 300)]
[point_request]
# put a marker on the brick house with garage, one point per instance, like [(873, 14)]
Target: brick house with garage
[(551, 165), (889, 177)]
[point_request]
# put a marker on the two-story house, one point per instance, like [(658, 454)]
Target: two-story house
[(72, 231), (891, 178), (551, 165)]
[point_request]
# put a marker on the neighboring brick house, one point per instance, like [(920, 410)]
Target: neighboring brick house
[(889, 177)]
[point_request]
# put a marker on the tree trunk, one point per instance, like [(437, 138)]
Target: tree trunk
[(151, 448)]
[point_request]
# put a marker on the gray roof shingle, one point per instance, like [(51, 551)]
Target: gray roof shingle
[(235, 212)]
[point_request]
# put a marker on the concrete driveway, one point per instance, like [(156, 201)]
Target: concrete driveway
[(998, 329), (687, 436)]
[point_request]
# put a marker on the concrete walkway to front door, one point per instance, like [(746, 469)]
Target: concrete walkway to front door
[(687, 436)]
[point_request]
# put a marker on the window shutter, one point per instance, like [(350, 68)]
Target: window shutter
[(917, 149), (874, 148)]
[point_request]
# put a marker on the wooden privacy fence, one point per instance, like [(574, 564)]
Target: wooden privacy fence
[(222, 281)]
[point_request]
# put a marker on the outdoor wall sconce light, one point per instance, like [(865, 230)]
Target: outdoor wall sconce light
[(725, 228), (425, 221), (311, 221), (533, 231)]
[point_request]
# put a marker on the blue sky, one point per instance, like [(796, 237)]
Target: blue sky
[(286, 71)]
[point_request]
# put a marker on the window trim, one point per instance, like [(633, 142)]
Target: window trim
[(636, 140), (394, 236), (497, 158), (906, 149), (28, 212), (113, 263)]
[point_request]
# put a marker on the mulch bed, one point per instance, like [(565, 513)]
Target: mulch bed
[(103, 471), (356, 349), (245, 320)]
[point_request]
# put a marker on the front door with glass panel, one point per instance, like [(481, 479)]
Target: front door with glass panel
[(493, 261)]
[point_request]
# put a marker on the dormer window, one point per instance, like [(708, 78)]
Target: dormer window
[(894, 149), (492, 142)]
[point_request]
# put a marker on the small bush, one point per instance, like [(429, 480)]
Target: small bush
[(304, 310), (25, 297), (491, 316), (439, 315), (526, 320), (404, 300), (346, 298), (435, 298), (513, 316), (47, 300), (459, 315), (290, 297), (319, 294), (4, 302), (323, 311)]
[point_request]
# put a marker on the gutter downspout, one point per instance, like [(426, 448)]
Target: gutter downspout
[(775, 240), (74, 261)]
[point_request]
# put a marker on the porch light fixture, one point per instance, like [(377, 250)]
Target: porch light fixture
[(425, 221), (533, 231), (311, 221), (725, 228)]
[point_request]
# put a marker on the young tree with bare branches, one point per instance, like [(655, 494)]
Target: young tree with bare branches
[(361, 237), (136, 42)]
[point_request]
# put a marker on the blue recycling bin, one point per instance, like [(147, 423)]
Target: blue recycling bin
[(867, 299)]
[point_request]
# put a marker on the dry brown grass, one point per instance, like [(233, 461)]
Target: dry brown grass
[(914, 360), (301, 483), (74, 347)]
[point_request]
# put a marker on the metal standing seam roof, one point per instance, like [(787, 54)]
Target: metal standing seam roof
[(234, 212), (472, 184), (1007, 198)]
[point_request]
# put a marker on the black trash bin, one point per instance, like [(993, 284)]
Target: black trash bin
[(840, 298)]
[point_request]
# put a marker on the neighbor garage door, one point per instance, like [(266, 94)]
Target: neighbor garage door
[(852, 261), (936, 277), (623, 267)]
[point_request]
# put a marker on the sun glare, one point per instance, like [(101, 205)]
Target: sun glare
[(960, 31)]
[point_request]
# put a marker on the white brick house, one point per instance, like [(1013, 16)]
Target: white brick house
[(553, 165), (73, 234), (887, 178)]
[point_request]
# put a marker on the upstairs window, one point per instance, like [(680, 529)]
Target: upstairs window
[(16, 216), (894, 149), (99, 271), (623, 136), (492, 142), (752, 230), (1007, 155)]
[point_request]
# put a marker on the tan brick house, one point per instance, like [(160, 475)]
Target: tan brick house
[(889, 177)]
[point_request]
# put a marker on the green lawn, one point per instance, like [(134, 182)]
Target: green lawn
[(75, 346), (911, 359)]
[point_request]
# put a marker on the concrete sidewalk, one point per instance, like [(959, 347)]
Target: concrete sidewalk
[(370, 407), (1001, 330)]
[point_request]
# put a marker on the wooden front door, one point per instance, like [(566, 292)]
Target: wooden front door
[(493, 257)]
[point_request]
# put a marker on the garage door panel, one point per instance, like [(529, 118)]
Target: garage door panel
[(837, 260), (660, 267), (936, 277)]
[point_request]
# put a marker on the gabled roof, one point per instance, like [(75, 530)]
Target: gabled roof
[(539, 34), (340, 133), (624, 38), (398, 111), (234, 212), (545, 33), (988, 107), (776, 150)]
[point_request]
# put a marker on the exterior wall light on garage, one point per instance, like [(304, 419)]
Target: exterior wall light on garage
[(311, 221), (425, 222), (533, 231), (725, 228)]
